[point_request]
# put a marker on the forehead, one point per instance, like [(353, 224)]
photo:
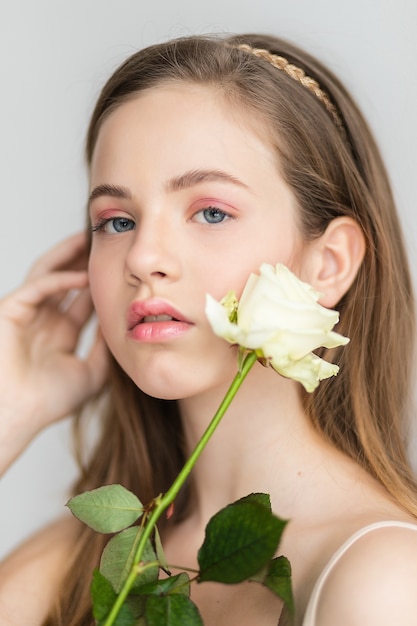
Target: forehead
[(184, 116)]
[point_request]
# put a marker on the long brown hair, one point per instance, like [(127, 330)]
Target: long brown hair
[(332, 172)]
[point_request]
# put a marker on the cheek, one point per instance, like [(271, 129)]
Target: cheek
[(233, 276), (93, 279), (99, 282)]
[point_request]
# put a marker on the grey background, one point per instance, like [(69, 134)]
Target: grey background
[(55, 55)]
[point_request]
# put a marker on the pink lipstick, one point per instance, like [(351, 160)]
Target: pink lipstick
[(155, 320)]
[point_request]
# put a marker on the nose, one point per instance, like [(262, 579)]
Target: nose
[(154, 251)]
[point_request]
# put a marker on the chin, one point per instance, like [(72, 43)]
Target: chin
[(174, 377), (159, 394), (161, 386), (181, 388)]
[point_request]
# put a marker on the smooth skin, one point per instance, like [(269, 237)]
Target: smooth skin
[(167, 225)]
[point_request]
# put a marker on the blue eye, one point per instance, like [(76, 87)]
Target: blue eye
[(114, 225), (121, 224), (211, 215)]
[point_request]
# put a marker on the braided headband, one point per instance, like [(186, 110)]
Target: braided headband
[(296, 73)]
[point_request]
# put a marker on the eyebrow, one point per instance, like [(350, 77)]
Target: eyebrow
[(195, 177), (189, 179), (114, 191)]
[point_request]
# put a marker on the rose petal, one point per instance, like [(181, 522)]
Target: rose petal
[(308, 371), (280, 318)]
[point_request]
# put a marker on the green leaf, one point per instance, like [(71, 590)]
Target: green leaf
[(117, 559), (240, 539), (167, 586), (277, 577), (179, 584), (175, 610), (278, 580), (104, 596), (260, 498), (160, 551), (107, 509)]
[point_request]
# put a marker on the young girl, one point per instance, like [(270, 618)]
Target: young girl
[(208, 157)]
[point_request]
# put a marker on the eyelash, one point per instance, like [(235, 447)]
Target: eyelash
[(213, 209), (100, 225)]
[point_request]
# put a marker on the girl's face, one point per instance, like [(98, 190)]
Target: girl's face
[(186, 199)]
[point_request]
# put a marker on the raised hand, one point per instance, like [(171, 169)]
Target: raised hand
[(42, 378)]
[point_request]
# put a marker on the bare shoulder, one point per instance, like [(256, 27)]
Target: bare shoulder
[(374, 581), (30, 575)]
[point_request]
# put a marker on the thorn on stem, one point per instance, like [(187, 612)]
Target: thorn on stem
[(170, 510)]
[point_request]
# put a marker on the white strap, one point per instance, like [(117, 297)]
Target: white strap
[(310, 614)]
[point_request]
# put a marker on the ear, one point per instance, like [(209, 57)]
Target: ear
[(334, 259)]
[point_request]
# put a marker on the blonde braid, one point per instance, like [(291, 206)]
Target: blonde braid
[(298, 74)]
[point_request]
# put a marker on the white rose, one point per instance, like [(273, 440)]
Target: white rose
[(279, 317)]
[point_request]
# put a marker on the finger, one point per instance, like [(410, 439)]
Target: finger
[(98, 362), (93, 374), (22, 306), (77, 306), (65, 255)]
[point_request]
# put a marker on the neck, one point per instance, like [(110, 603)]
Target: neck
[(260, 444)]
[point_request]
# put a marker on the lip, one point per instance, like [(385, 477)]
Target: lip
[(152, 330)]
